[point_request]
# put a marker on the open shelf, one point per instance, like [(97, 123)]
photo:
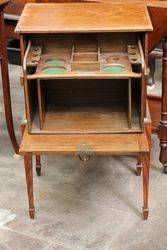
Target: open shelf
[(85, 106), (86, 119)]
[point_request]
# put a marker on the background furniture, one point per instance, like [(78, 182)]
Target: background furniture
[(154, 95), (154, 103), (5, 79), (162, 129), (14, 10), (12, 14), (158, 12)]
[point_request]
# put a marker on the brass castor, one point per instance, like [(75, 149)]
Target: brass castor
[(145, 213), (38, 170), (165, 169), (85, 158)]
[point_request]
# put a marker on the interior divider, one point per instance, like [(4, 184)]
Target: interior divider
[(72, 54), (99, 53), (41, 104), (129, 103)]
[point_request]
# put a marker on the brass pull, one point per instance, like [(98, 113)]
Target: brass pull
[(85, 158), (84, 152)]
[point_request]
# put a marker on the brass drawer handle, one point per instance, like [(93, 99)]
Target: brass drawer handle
[(84, 157)]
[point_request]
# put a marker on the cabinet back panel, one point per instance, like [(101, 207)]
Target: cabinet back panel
[(85, 91), (107, 42)]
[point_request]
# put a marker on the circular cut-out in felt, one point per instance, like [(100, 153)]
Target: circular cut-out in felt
[(134, 59), (54, 70), (54, 61), (113, 69)]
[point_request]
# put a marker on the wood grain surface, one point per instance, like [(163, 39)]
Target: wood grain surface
[(83, 17), (117, 144)]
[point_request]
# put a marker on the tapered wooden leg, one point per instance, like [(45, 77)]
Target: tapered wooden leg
[(139, 166), (38, 165), (146, 169), (29, 180)]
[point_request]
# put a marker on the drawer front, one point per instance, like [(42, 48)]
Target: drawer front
[(84, 145)]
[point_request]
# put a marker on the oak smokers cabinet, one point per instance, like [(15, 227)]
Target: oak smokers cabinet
[(84, 82), (79, 83)]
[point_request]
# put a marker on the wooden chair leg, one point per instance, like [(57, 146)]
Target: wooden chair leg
[(38, 165), (146, 169), (139, 166), (29, 180), (162, 128), (6, 83)]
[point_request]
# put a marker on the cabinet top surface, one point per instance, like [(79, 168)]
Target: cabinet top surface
[(84, 17)]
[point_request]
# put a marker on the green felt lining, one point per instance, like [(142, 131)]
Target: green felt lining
[(54, 70), (113, 69)]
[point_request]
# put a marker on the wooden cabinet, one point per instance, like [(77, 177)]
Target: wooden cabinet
[(84, 83)]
